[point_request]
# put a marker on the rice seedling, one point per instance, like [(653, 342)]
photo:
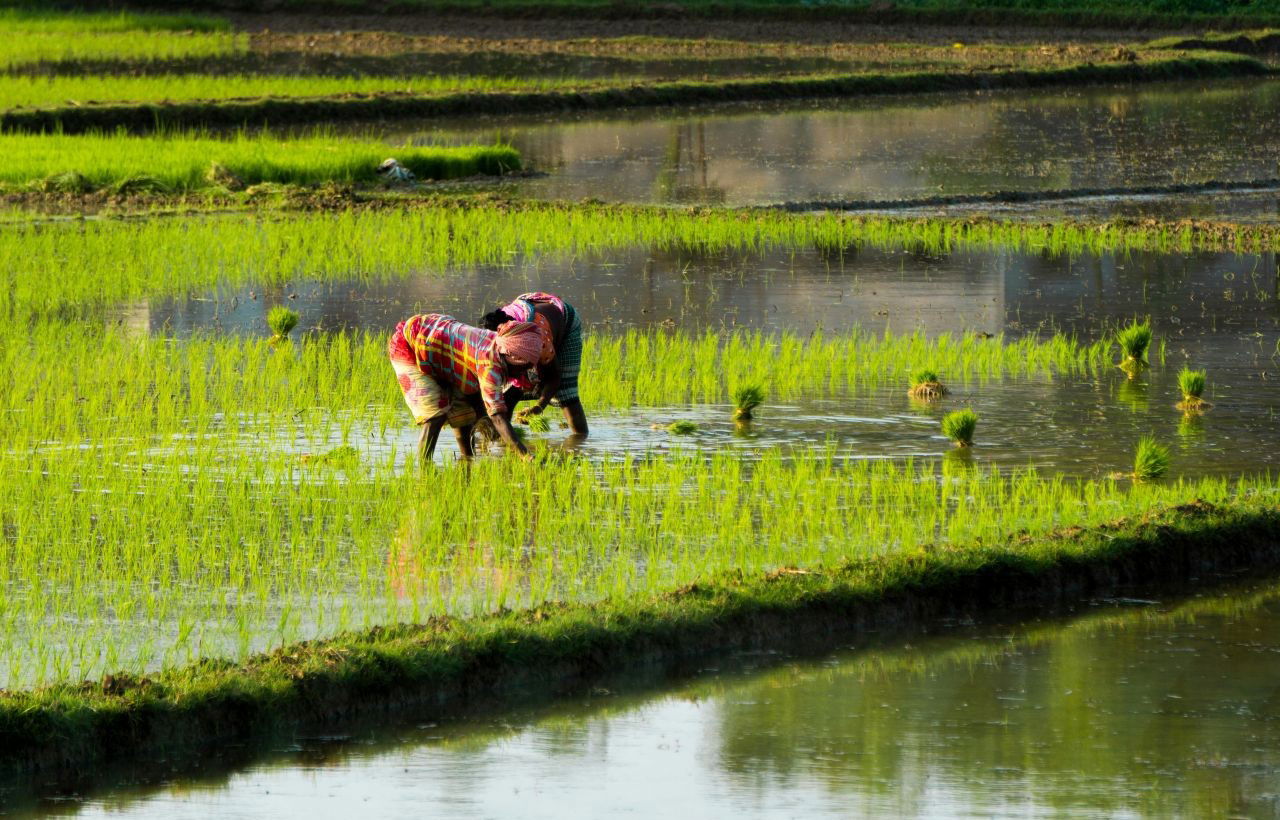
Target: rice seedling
[(537, 422), (1151, 460), (925, 384), (746, 399), (1134, 339), (1192, 384), (959, 426), (282, 321), (682, 427), (182, 162)]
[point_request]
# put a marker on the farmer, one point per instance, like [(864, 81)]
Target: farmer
[(558, 377), (452, 372)]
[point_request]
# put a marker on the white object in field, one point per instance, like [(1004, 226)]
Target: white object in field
[(393, 171)]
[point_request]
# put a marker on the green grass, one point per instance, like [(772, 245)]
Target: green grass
[(182, 162), (36, 36), (61, 91), (959, 426), (1151, 460), (721, 612)]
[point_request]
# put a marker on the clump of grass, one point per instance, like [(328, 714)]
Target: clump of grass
[(682, 428), (925, 384), (1151, 461), (281, 320), (1192, 384), (746, 399), (959, 426), (1134, 339)]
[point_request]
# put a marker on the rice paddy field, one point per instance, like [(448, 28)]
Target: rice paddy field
[(204, 454)]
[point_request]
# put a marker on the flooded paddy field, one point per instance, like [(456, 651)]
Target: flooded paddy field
[(897, 148), (1217, 312), (1132, 707)]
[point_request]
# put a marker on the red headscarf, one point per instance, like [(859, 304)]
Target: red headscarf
[(523, 340)]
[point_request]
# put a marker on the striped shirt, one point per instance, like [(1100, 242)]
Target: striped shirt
[(460, 356)]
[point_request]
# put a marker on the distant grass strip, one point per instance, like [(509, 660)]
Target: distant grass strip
[(29, 35), (114, 261), (180, 163), (444, 664), (59, 91), (146, 117)]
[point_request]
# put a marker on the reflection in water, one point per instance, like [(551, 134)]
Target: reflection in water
[(897, 148), (1135, 710)]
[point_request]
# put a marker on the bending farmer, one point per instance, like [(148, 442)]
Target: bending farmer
[(557, 378), (452, 372)]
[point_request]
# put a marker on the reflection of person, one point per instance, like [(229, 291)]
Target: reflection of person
[(452, 372), (557, 378)]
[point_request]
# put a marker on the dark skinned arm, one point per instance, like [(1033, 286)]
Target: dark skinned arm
[(503, 427), (549, 383)]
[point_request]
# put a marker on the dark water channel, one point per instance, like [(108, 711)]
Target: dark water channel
[(1218, 312), (1131, 708), (904, 147)]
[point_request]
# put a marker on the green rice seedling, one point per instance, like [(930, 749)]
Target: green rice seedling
[(959, 426), (926, 385), (1192, 384), (683, 427), (282, 321), (1134, 339), (1151, 460), (746, 399), (538, 422)]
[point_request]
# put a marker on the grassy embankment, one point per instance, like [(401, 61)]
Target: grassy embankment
[(61, 164)]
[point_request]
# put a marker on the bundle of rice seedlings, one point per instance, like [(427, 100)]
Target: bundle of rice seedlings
[(682, 427), (281, 320), (959, 426), (746, 399), (926, 385), (1192, 384), (1151, 460), (1134, 339)]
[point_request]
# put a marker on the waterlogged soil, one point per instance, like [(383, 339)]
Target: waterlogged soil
[(896, 148), (1217, 312), (1132, 707)]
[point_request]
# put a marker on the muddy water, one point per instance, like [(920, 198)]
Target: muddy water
[(1131, 708), (1219, 312), (897, 148)]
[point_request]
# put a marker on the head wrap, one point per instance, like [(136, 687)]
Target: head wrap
[(522, 340)]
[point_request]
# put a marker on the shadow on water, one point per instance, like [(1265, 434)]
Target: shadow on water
[(1153, 704)]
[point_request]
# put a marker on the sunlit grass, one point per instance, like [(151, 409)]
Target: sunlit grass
[(183, 162)]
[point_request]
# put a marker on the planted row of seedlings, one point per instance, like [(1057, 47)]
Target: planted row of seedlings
[(109, 262)]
